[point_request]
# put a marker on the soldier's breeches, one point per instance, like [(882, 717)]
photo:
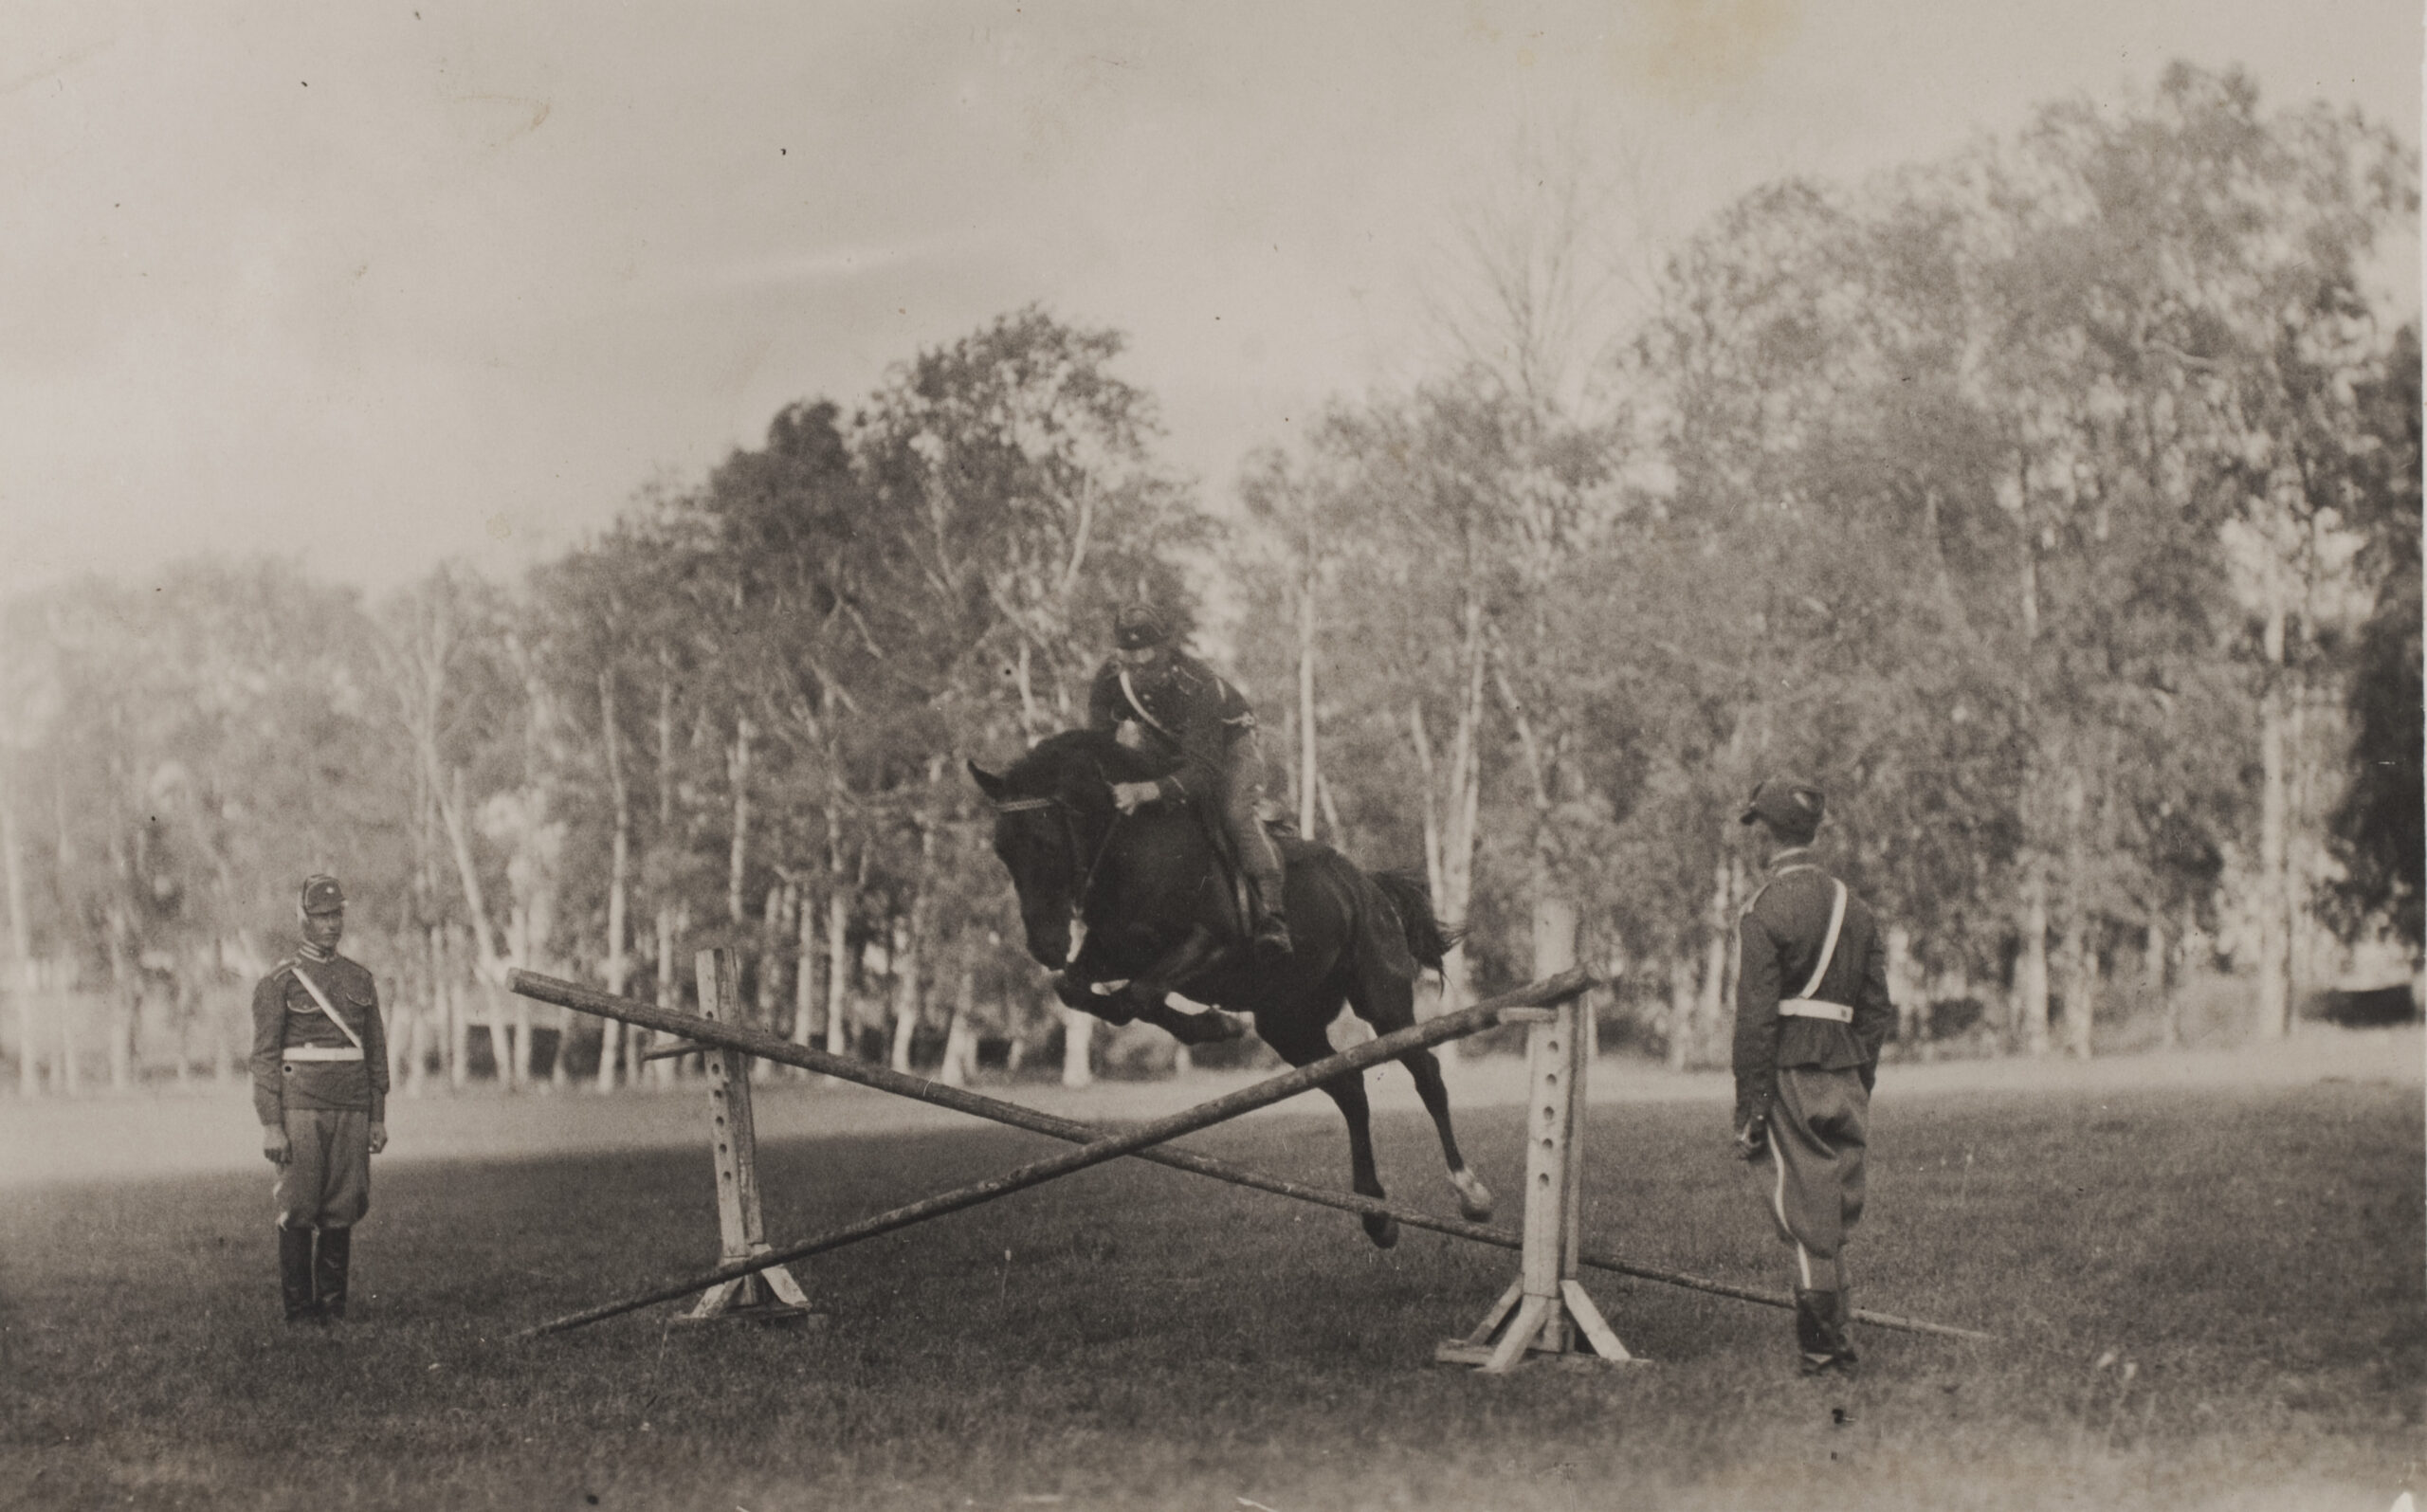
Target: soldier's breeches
[(1812, 1174), (1242, 804), (326, 1180)]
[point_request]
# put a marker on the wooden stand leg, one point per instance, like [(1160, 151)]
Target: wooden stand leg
[(771, 1295), (1547, 1311)]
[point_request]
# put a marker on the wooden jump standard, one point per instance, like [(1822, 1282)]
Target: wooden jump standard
[(747, 1041), (1514, 1006)]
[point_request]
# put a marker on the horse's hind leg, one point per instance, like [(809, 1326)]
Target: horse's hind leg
[(1300, 1040), (1474, 1198), (1389, 1003)]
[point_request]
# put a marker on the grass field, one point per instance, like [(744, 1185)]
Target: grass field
[(2215, 1290)]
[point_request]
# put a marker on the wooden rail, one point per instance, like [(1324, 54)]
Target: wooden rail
[(1522, 1003)]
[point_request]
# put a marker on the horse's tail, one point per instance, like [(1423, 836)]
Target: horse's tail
[(1428, 940)]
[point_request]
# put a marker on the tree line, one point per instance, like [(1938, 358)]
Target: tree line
[(2053, 507)]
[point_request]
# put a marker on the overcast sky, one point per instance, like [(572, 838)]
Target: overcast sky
[(378, 283)]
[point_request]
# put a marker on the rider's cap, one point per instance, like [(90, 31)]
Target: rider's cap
[(322, 894), (1790, 807), (1139, 626)]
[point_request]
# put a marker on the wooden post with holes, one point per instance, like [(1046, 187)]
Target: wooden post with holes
[(1546, 1310), (771, 1295)]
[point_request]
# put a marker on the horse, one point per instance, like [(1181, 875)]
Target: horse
[(1152, 906)]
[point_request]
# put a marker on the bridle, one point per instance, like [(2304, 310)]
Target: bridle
[(1070, 835)]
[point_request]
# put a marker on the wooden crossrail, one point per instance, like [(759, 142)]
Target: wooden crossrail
[(1522, 1003), (1519, 1005)]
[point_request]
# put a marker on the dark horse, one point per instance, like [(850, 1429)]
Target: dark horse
[(1154, 910)]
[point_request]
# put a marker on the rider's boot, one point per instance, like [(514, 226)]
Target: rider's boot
[(1269, 935)]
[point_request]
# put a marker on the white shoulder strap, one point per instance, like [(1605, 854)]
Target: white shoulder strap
[(322, 998), (1829, 945), (1131, 693)]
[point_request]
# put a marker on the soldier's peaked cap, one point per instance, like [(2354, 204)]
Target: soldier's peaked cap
[(1138, 626), (322, 894), (1785, 803)]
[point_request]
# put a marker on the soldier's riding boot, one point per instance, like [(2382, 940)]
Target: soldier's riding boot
[(1841, 1331), (328, 1272), (1268, 923), (1811, 1316), (294, 1273), (1269, 939), (1820, 1321)]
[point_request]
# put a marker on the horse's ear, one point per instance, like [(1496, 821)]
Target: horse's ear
[(988, 783)]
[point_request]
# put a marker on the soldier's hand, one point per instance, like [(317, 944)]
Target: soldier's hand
[(274, 1142), (378, 1137), (1752, 1139), (1126, 796)]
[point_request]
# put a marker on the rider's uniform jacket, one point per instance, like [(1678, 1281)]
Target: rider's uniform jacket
[(301, 1059), (1780, 939), (1192, 713)]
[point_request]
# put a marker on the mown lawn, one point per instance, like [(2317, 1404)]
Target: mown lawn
[(2214, 1298)]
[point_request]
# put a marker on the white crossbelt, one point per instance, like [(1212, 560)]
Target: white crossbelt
[(327, 1053), (1804, 1005)]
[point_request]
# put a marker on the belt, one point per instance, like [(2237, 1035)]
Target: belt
[(321, 1052), (1813, 1008)]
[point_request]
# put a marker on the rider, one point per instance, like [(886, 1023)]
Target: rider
[(1185, 709)]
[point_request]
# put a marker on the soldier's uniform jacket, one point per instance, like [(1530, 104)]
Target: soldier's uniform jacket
[(286, 1017), (1199, 712), (1780, 939)]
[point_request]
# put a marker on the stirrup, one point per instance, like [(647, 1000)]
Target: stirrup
[(1271, 941)]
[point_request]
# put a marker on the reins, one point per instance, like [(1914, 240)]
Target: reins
[(1071, 829)]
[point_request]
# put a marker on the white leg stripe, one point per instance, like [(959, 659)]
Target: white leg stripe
[(1778, 1187)]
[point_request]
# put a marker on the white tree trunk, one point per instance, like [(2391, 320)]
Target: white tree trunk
[(1718, 936), (618, 966), (961, 1038), (2274, 1019), (906, 988), (1682, 1038), (1308, 772), (21, 951), (1905, 985), (805, 927), (838, 973), (2081, 982), (2154, 988), (1078, 1040), (2031, 968)]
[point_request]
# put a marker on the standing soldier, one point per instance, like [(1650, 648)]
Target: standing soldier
[(1189, 711), (1812, 1012), (320, 1088)]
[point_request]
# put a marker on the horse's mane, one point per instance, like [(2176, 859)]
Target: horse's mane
[(1042, 767)]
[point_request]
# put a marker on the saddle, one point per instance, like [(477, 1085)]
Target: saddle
[(1230, 879)]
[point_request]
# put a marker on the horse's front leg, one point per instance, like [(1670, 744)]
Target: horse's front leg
[(1148, 991), (1075, 986)]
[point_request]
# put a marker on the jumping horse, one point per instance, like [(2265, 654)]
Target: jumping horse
[(1155, 908)]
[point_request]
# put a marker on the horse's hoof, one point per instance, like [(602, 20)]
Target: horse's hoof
[(1474, 1198), (1073, 991), (1382, 1229), (1213, 1026)]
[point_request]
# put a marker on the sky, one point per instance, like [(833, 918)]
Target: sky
[(378, 285)]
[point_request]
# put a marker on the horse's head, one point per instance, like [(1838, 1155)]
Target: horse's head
[(1052, 812)]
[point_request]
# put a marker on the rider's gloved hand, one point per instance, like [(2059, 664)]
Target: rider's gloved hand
[(1126, 796)]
